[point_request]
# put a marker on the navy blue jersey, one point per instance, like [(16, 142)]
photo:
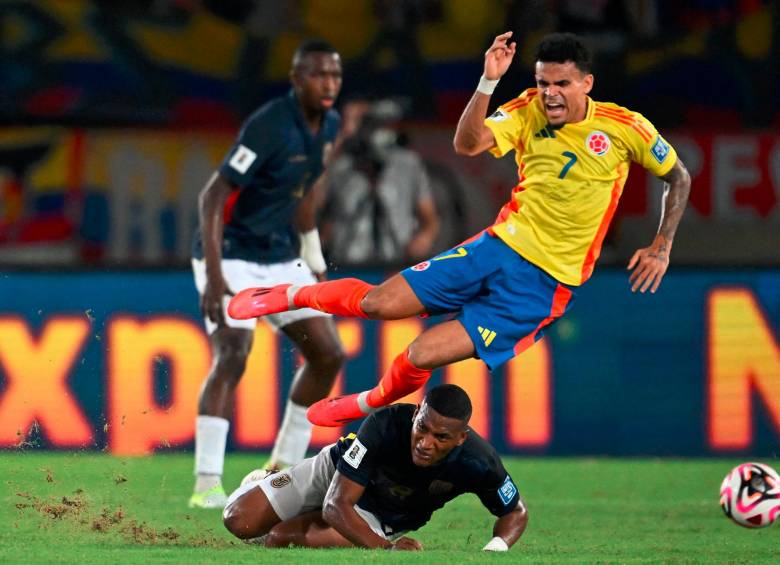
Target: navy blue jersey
[(402, 495), (273, 164)]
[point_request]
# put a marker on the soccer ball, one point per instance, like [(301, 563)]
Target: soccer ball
[(750, 495)]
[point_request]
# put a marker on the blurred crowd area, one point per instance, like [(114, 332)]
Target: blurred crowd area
[(114, 114), (209, 62)]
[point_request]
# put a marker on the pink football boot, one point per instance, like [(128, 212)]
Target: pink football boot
[(260, 301)]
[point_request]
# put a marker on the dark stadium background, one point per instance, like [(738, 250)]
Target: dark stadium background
[(113, 114)]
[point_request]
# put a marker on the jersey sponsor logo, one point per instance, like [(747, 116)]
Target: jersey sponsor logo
[(507, 490), (297, 158), (400, 491), (438, 488), (354, 455), (660, 149), (421, 266), (242, 159), (499, 116), (487, 335), (281, 481), (598, 143), (459, 252)]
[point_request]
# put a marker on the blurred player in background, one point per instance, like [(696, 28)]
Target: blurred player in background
[(514, 280), (369, 489), (257, 220)]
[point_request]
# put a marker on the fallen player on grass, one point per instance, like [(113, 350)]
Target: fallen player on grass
[(369, 489)]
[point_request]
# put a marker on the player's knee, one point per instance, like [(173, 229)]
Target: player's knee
[(230, 369), (329, 362), (374, 304), (421, 357), (237, 521), (231, 362)]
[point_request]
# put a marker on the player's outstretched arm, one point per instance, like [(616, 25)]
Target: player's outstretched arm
[(338, 510), (211, 203), (472, 136), (649, 264), (508, 529)]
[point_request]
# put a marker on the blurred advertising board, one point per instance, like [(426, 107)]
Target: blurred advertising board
[(114, 361)]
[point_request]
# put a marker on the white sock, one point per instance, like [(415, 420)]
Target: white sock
[(210, 439), (294, 435)]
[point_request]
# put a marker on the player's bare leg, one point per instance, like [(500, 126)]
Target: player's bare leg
[(230, 348), (318, 342), (250, 515), (306, 530), (438, 346)]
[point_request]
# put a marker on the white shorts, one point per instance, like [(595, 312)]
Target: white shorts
[(302, 488), (241, 274)]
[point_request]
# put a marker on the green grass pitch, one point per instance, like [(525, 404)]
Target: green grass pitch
[(87, 507)]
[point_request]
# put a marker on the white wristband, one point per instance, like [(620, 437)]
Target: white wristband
[(311, 251), (486, 86), (496, 544)]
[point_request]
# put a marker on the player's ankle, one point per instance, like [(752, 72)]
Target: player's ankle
[(207, 481), (292, 294), (371, 400)]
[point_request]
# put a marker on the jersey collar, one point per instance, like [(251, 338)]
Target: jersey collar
[(297, 111), (591, 109)]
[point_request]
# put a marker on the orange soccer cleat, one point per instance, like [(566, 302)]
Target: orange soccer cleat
[(256, 302), (339, 410)]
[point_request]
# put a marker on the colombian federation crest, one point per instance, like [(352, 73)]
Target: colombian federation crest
[(598, 143)]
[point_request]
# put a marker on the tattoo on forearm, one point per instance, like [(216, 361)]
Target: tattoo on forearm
[(677, 187)]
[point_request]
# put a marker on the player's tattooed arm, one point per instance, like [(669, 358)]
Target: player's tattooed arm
[(677, 188), (649, 264)]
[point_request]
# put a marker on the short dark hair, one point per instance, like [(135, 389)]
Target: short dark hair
[(312, 46), (450, 401), (562, 47)]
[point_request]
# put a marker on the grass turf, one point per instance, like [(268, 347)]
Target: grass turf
[(87, 507)]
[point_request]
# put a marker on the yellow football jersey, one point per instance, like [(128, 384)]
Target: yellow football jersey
[(571, 179)]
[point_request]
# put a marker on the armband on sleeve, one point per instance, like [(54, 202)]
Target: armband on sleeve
[(311, 251)]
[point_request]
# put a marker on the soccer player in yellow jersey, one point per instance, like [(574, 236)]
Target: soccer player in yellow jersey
[(509, 283)]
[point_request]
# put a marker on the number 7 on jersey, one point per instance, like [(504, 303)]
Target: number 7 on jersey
[(572, 159)]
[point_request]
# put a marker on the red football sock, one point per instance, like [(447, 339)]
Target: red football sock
[(400, 379), (341, 297)]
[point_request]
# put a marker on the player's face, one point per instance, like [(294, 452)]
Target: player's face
[(316, 78), (434, 436), (564, 90)]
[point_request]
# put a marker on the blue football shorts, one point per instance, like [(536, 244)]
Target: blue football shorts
[(504, 302)]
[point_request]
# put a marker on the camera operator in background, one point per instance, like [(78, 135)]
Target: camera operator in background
[(379, 206)]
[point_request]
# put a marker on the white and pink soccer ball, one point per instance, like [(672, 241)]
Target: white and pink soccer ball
[(750, 495)]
